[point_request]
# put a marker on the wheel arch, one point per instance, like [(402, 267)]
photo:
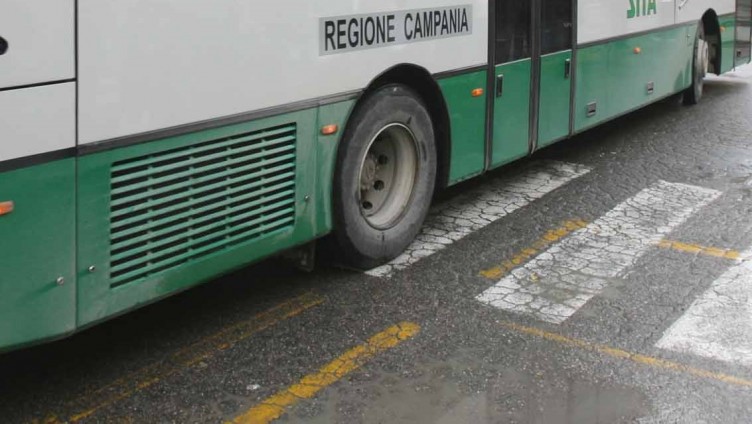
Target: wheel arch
[(712, 27), (422, 82)]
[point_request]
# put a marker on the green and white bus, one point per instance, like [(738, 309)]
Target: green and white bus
[(150, 145)]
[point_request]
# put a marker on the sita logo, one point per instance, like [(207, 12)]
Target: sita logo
[(639, 8)]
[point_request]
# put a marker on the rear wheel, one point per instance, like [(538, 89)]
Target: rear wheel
[(385, 177), (700, 61)]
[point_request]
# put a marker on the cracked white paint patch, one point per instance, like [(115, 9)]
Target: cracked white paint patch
[(455, 219), (718, 324), (560, 280)]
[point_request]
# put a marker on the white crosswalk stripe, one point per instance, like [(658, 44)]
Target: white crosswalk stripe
[(560, 280), (453, 220), (718, 324)]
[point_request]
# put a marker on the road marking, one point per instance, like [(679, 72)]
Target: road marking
[(453, 220), (274, 406), (718, 324), (630, 356), (559, 281), (125, 387), (700, 250), (567, 227)]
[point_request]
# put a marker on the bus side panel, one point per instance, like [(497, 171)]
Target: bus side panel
[(660, 60), (743, 32), (159, 217), (326, 161), (619, 76), (467, 117), (692, 11), (38, 242), (599, 20), (728, 29), (40, 37), (224, 57), (592, 86)]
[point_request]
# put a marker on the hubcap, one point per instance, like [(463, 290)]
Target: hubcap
[(703, 57), (387, 175)]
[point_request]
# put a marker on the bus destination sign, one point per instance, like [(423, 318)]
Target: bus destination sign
[(342, 34)]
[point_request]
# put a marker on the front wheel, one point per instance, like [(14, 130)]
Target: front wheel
[(700, 61), (386, 170)]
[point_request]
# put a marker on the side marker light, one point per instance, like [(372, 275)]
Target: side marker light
[(477, 92), (6, 208), (637, 50), (329, 129)]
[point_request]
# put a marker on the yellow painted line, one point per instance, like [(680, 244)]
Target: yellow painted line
[(274, 406), (552, 236), (623, 354), (203, 349), (569, 227), (700, 250)]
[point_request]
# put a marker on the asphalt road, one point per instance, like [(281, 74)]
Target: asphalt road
[(603, 280)]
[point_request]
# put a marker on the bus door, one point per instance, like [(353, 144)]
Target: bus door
[(743, 34), (511, 54), (555, 77), (37, 178)]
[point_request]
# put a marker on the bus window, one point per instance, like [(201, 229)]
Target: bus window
[(512, 30), (556, 26)]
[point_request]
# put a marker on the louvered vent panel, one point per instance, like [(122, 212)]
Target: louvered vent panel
[(180, 205)]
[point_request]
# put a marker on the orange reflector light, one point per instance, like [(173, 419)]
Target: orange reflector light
[(637, 50), (477, 92), (6, 208), (329, 129)]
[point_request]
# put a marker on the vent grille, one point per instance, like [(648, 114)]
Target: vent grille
[(180, 205)]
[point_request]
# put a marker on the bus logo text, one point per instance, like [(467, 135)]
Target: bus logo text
[(347, 33), (639, 8)]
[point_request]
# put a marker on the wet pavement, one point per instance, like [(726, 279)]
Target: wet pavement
[(603, 280)]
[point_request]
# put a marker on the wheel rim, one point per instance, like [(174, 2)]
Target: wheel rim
[(387, 175), (703, 58)]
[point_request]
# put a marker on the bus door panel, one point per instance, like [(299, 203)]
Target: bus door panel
[(36, 42), (37, 214), (554, 102), (743, 32), (511, 89)]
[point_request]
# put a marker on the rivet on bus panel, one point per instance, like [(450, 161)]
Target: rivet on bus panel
[(329, 129), (477, 92), (6, 207), (60, 281)]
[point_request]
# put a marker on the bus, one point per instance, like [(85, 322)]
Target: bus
[(147, 146)]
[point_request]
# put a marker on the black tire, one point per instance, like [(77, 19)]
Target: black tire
[(693, 94), (362, 244)]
